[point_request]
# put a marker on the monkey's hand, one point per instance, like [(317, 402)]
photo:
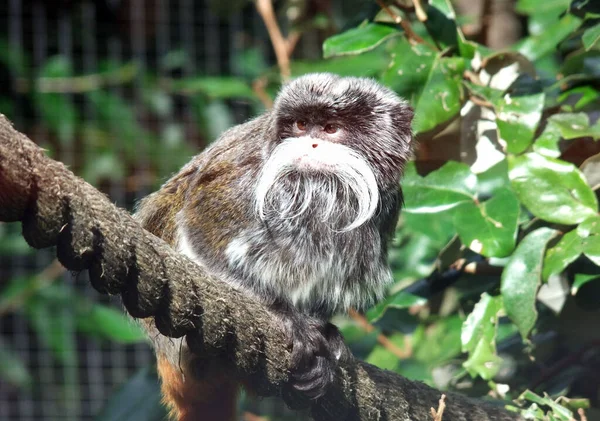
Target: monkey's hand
[(316, 347)]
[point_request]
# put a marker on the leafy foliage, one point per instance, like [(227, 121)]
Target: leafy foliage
[(480, 242)]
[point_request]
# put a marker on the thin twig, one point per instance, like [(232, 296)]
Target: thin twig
[(410, 34), (258, 86), (437, 415), (249, 416), (280, 44), (381, 338), (291, 42), (419, 11)]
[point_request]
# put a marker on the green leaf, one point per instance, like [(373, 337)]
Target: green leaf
[(12, 368), (564, 126), (521, 279), (530, 7), (589, 227), (398, 300), (580, 95), (215, 87), (116, 116), (481, 323), (442, 95), (551, 189), (409, 69), (591, 248), (54, 324), (591, 36), (440, 341), (56, 109), (384, 358), (107, 323), (517, 118), (581, 279), (137, 400), (440, 190), (358, 40), (565, 252), (558, 410), (441, 23), (368, 64), (489, 228), (537, 46), (494, 179)]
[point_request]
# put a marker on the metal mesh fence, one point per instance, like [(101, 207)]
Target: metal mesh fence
[(90, 34)]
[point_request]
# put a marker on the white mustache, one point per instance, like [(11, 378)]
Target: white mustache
[(337, 166)]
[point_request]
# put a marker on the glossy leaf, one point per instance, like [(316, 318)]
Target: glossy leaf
[(565, 252), (591, 36), (480, 321), (442, 96), (489, 228), (521, 279), (358, 40), (440, 190), (551, 189), (409, 69), (581, 279), (591, 248), (398, 300), (537, 46), (564, 126), (528, 7), (366, 64), (517, 118)]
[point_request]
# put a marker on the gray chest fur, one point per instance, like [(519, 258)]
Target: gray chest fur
[(319, 269)]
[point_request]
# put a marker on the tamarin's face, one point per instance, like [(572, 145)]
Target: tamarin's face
[(339, 143)]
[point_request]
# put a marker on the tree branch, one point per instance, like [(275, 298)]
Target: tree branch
[(58, 208)]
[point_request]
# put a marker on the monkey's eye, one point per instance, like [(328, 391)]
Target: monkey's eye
[(301, 125), (330, 128)]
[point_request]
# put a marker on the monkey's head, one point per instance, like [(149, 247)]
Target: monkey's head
[(339, 142)]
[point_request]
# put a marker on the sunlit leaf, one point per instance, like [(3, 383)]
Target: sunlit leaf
[(398, 300), (521, 279), (358, 40), (581, 279), (409, 69), (591, 248), (591, 36), (565, 252), (517, 118), (489, 228), (551, 189), (538, 46), (440, 190), (564, 126), (442, 95)]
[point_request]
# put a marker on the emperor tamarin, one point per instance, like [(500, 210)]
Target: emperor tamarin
[(295, 208)]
